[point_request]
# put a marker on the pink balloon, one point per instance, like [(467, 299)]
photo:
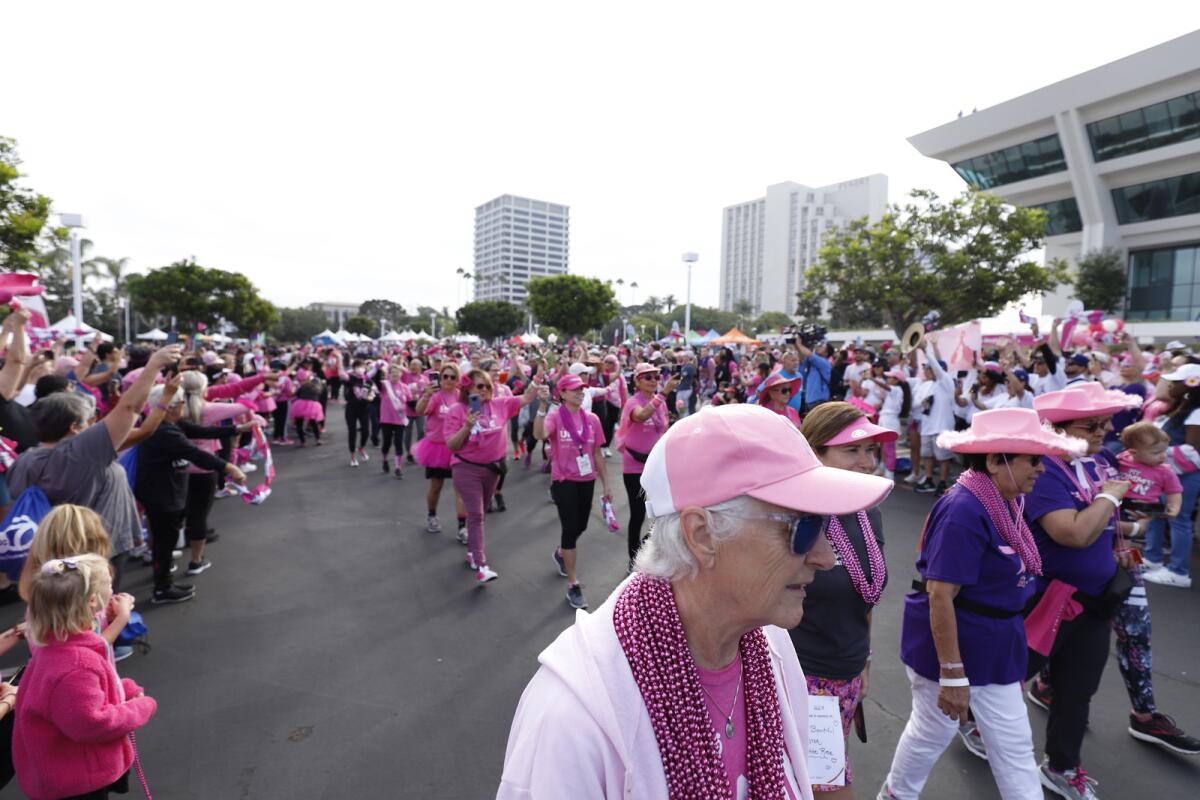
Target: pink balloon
[(1081, 338)]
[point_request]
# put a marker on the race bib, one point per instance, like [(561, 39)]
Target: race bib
[(584, 463)]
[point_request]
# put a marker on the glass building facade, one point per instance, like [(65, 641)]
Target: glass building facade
[(1017, 163), (1164, 284), (1169, 197), (1168, 122), (1062, 216)]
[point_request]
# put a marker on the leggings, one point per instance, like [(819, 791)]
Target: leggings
[(164, 531), (392, 433), (475, 485), (574, 501), (503, 474), (358, 419), (373, 410), (637, 510), (313, 426), (280, 418), (335, 383), (201, 487), (414, 422)]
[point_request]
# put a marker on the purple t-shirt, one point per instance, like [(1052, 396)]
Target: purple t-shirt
[(961, 545), (1088, 569)]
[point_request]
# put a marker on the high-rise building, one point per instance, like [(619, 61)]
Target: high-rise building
[(1113, 157), (517, 239), (767, 244)]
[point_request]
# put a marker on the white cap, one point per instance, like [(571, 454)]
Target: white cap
[(580, 369), (1175, 344), (1188, 373)]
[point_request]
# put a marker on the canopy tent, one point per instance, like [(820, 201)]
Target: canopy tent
[(407, 335), (343, 335), (466, 338), (734, 336), (694, 337), (391, 337), (70, 328), (422, 336), (530, 338), (325, 338), (154, 335)]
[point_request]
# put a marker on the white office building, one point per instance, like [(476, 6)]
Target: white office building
[(516, 239), (336, 313), (1113, 156), (767, 244)]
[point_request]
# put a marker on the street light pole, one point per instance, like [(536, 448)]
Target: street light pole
[(74, 222), (689, 259)]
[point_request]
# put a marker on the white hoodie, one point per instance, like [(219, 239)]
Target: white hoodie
[(582, 730)]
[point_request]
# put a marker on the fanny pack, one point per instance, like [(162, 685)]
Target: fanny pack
[(637, 456), (970, 605), (498, 467), (1112, 598)]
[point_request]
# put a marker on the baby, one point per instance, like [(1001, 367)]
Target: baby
[(1143, 464)]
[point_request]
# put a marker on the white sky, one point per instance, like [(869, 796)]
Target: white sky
[(337, 150)]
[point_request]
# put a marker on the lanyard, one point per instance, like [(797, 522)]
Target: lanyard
[(1079, 476), (578, 437)]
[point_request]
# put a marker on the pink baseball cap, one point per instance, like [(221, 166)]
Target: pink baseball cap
[(862, 430), (760, 454), (568, 382)]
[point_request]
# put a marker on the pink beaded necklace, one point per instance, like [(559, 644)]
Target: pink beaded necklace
[(869, 592), (648, 627), (1007, 517)]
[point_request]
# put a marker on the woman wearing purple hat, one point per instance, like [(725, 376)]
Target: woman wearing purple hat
[(682, 684), (963, 637)]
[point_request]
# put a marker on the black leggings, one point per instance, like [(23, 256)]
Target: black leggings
[(373, 410), (414, 428), (335, 383), (1077, 661), (358, 418), (200, 494), (637, 510), (608, 420), (280, 419), (392, 433), (313, 425), (164, 532), (574, 501)]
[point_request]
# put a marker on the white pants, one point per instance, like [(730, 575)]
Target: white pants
[(1003, 723)]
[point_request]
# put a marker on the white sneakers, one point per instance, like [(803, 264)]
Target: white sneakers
[(913, 477), (434, 525), (354, 461), (1165, 577), (462, 535), (485, 574), (362, 455)]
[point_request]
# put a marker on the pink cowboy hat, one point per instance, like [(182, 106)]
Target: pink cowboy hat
[(776, 379), (1083, 400), (643, 368), (1011, 430), (862, 430)]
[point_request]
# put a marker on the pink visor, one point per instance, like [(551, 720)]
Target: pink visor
[(758, 453), (862, 430)]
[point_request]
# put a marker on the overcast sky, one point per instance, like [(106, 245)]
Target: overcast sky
[(337, 150)]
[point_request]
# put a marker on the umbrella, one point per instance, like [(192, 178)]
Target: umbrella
[(154, 335)]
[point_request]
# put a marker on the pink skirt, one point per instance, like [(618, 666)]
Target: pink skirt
[(429, 453), (306, 409)]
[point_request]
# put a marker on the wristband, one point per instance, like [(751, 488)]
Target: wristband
[(952, 665), (1110, 498), (954, 682), (1137, 526), (541, 413)]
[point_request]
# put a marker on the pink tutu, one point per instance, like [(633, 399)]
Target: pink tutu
[(433, 454), (306, 409)]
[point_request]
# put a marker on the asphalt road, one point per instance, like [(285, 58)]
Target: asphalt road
[(336, 650)]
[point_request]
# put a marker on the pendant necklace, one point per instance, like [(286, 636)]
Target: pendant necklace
[(728, 717)]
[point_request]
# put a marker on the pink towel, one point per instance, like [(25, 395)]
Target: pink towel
[(1055, 607)]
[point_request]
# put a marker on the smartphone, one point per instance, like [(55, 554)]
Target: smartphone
[(15, 678), (474, 403), (1156, 508), (432, 375)]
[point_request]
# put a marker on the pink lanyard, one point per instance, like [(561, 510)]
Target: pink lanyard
[(1088, 495)]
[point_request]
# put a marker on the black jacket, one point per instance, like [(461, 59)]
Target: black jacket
[(163, 460)]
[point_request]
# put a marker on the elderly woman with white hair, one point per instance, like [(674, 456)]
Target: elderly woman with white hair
[(684, 683)]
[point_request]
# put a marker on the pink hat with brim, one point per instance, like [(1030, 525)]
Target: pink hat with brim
[(862, 430), (1083, 400), (776, 379), (569, 382), (760, 454), (643, 368), (1011, 430), (897, 373)]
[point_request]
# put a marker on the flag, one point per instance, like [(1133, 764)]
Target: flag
[(1025, 318), (259, 449)]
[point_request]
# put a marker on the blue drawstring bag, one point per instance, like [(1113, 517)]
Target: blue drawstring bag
[(18, 528), (134, 632), (129, 462)]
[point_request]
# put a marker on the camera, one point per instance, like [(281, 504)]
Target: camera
[(808, 334)]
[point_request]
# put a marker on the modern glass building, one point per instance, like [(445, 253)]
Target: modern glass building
[(1113, 157)]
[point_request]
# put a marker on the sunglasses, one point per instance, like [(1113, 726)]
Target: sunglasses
[(449, 377), (482, 386), (782, 389), (806, 528), (647, 377), (1091, 427)]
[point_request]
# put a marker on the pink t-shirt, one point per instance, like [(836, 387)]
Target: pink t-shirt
[(487, 442), (394, 413), (1148, 483), (641, 436), (792, 415), (563, 449), (436, 411)]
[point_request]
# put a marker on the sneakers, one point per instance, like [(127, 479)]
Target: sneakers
[(122, 652), (226, 492), (941, 488), (1150, 566), (969, 733), (499, 498), (485, 574), (410, 459), (248, 468), (885, 793), (1040, 694), (212, 537), (471, 562), (913, 477), (891, 476), (1162, 731), (1074, 784), (354, 461), (558, 562), (386, 470), (399, 473), (172, 595), (1165, 577), (196, 567), (925, 487), (575, 596), (433, 525), (362, 455), (462, 536)]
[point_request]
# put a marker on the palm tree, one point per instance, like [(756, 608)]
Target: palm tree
[(633, 287), (652, 304), (670, 302), (113, 268)]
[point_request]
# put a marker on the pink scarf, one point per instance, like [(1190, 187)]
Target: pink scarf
[(1013, 531), (651, 634)]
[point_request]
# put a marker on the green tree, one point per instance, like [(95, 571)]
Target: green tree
[(446, 324), (1100, 280), (393, 314), (965, 258), (572, 303), (193, 294), (743, 308), (770, 322), (490, 318), (23, 214), (363, 325), (298, 324), (669, 302)]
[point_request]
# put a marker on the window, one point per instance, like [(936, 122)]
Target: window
[(1017, 163), (1062, 216), (1168, 122), (1169, 197), (1164, 284)]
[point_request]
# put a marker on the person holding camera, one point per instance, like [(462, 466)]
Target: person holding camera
[(815, 373)]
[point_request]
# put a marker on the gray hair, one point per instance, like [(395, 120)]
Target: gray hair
[(54, 414), (665, 554)]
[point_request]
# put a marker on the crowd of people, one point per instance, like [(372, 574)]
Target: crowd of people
[(1064, 481)]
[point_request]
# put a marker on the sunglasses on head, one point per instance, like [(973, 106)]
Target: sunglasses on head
[(806, 529)]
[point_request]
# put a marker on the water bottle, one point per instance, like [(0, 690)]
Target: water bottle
[(610, 516)]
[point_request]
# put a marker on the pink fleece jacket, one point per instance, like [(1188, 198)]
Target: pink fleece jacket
[(582, 730), (71, 734), (228, 391), (215, 414)]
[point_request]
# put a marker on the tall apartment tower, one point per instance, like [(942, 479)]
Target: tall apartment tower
[(767, 244), (516, 239)]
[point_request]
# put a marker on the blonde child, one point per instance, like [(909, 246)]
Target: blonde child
[(75, 715), (1143, 464)]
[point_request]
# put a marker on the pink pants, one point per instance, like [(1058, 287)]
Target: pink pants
[(889, 455), (475, 485)]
